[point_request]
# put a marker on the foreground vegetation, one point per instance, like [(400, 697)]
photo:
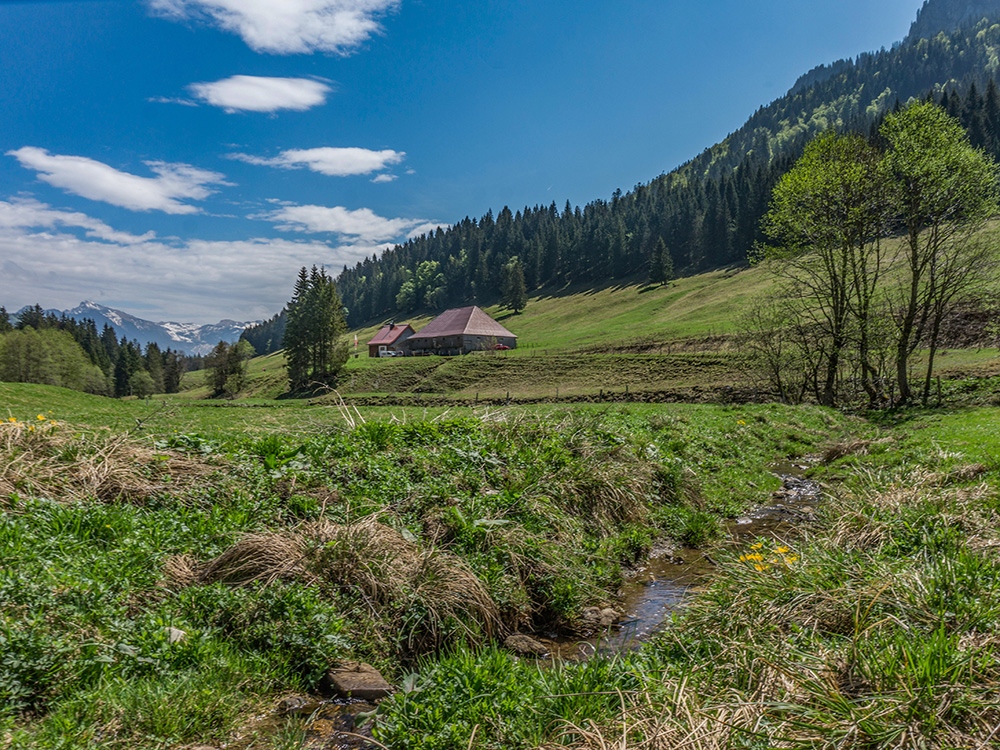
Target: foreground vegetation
[(880, 630), (165, 578), (163, 581)]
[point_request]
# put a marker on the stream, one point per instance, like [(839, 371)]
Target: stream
[(656, 589)]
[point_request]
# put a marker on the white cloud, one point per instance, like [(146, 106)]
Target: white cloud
[(98, 181), (362, 223), (27, 213), (262, 94), (287, 26), (379, 179), (426, 228), (172, 100), (197, 280), (333, 162)]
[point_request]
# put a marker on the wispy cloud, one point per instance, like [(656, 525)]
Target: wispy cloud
[(359, 225), (27, 213), (97, 181), (262, 94), (196, 280), (382, 178), (287, 26), (334, 162), (363, 223), (172, 100)]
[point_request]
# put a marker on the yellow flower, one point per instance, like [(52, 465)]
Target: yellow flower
[(12, 419), (781, 550), (760, 568), (41, 416), (740, 421)]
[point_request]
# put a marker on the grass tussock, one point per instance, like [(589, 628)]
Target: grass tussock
[(49, 459), (429, 595)]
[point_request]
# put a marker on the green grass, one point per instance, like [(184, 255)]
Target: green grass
[(878, 629), (543, 507)]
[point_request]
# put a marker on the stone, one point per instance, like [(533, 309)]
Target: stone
[(360, 681), (595, 617), (297, 705), (525, 645)]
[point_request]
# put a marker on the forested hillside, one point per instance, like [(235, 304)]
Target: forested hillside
[(708, 211)]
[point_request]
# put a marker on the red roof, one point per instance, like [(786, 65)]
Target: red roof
[(463, 321), (390, 334)]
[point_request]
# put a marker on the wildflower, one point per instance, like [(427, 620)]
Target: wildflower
[(740, 421)]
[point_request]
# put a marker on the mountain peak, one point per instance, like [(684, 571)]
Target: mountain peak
[(948, 15)]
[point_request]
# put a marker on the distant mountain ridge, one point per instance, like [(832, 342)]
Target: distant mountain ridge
[(188, 338), (937, 16), (707, 211)]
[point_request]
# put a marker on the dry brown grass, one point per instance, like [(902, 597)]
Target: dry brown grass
[(869, 525), (52, 460), (393, 576)]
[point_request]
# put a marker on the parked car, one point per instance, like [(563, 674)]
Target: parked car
[(389, 353), (501, 347)]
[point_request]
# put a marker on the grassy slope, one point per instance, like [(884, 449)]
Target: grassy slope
[(582, 317), (576, 339)]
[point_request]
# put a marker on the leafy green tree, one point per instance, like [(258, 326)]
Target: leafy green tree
[(48, 357), (141, 384), (947, 190), (314, 349), (228, 367), (514, 295), (828, 216)]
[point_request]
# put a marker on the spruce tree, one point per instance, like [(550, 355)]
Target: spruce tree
[(5, 324), (314, 352), (514, 293), (661, 266)]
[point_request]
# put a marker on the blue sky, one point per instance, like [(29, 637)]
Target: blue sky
[(181, 159)]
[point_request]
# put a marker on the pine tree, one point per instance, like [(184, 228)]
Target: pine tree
[(5, 324), (661, 266), (514, 294), (315, 324)]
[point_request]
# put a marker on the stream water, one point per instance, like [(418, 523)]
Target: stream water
[(657, 588)]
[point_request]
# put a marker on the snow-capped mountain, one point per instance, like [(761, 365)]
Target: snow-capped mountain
[(184, 337)]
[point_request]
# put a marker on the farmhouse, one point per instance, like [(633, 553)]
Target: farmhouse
[(460, 331), (389, 339)]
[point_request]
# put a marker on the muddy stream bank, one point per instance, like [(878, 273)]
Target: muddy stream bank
[(655, 590)]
